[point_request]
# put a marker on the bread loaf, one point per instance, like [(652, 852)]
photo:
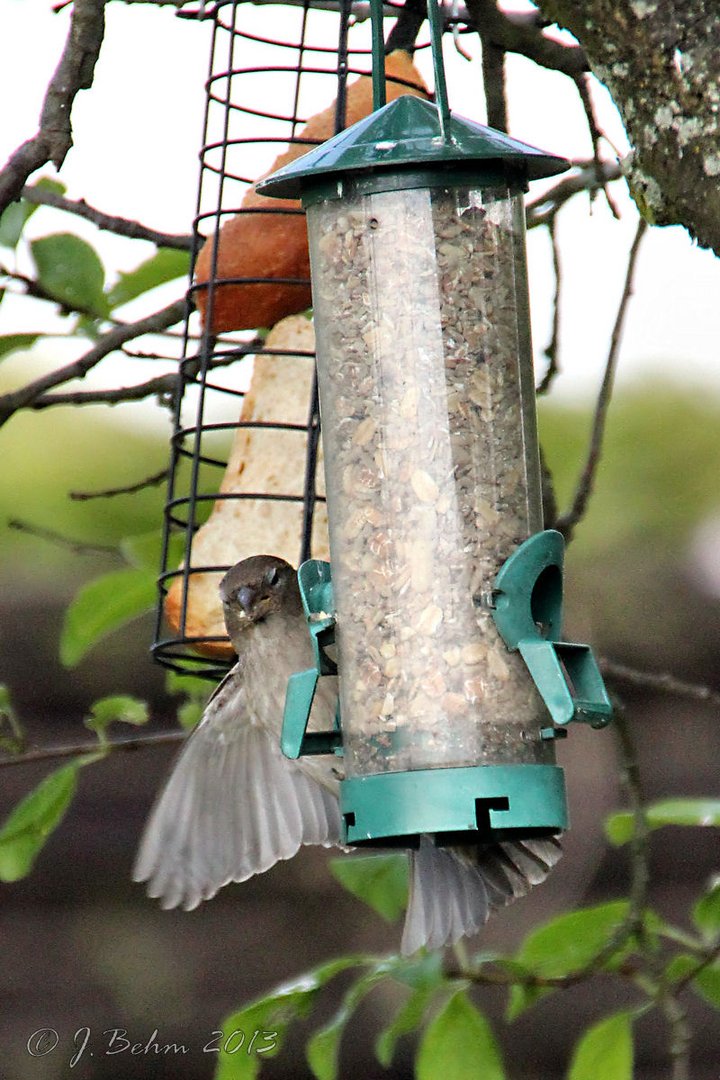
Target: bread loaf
[(262, 460), (261, 243)]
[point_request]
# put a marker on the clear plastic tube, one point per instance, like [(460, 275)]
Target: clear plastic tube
[(432, 470)]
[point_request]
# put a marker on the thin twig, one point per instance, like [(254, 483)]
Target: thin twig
[(50, 753), (74, 73), (662, 681), (566, 522), (128, 489), (162, 386), (639, 849), (108, 222), (80, 547), (709, 957), (152, 324), (552, 349), (39, 292), (582, 82), (586, 178)]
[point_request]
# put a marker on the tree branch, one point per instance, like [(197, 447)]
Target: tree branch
[(566, 522), (161, 386), (526, 39), (588, 177), (35, 289), (661, 63), (127, 489), (108, 222), (553, 347), (661, 681), (405, 31), (79, 547), (493, 69), (51, 753), (74, 72), (114, 339)]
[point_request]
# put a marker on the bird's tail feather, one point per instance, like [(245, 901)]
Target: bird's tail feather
[(452, 892), (232, 807)]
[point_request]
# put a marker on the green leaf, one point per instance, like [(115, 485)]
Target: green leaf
[(10, 343), (145, 550), (12, 736), (418, 970), (166, 265), (12, 222), (565, 945), (120, 709), (408, 1018), (189, 714), (706, 913), (619, 827), (380, 881), (268, 1019), (33, 820), (15, 216), (605, 1052), (323, 1049), (70, 270), (707, 984), (459, 1045), (679, 967), (101, 606)]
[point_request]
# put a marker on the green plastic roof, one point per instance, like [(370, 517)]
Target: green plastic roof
[(408, 133)]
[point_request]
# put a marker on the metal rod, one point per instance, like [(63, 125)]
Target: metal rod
[(441, 94), (378, 54), (342, 67)]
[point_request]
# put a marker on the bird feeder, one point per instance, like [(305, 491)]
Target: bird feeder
[(445, 595)]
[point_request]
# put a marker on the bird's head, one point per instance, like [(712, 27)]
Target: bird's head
[(256, 588)]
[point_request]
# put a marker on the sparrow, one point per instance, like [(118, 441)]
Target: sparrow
[(234, 805)]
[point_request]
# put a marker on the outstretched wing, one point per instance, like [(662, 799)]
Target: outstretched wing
[(453, 890), (232, 807)]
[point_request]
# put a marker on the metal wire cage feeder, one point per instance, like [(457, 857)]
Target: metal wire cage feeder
[(253, 110)]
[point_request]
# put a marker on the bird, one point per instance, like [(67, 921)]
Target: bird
[(234, 805)]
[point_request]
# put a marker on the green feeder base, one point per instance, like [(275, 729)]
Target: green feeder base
[(494, 802)]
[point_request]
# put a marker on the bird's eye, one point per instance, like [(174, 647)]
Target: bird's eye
[(272, 577)]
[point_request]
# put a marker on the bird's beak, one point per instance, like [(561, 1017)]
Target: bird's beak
[(246, 598)]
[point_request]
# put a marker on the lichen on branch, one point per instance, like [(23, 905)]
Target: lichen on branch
[(661, 63)]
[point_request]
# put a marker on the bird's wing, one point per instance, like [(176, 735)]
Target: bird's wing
[(232, 807), (447, 901), (453, 890)]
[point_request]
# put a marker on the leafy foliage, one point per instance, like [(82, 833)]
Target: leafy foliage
[(33, 820), (10, 343), (620, 827), (165, 265), (459, 1044), (272, 1016), (101, 606), (706, 913), (380, 881), (605, 1051), (118, 709), (563, 947), (70, 271)]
